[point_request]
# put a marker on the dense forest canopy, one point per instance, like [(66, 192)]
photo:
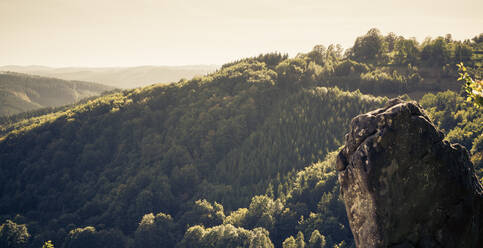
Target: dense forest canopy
[(242, 157)]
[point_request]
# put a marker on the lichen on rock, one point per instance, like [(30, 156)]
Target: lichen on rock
[(404, 185)]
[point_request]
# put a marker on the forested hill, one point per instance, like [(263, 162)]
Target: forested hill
[(23, 92), (223, 138), (391, 65), (226, 160)]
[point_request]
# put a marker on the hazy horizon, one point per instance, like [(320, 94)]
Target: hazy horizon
[(109, 67), (110, 33)]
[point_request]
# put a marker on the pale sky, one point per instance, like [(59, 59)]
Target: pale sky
[(175, 32)]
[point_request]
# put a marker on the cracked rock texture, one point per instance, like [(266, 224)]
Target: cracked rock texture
[(404, 186)]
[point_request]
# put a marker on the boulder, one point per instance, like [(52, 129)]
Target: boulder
[(404, 186)]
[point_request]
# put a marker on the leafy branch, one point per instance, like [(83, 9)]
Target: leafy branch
[(48, 244), (474, 88)]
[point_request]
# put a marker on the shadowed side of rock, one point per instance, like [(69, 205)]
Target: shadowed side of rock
[(404, 186)]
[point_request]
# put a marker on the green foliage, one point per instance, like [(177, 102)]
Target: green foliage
[(348, 67), (225, 236), (324, 56), (48, 244), (473, 88), (460, 121), (270, 59), (204, 213), (13, 235), (292, 242), (308, 202), (392, 65), (300, 242), (406, 51), (317, 240), (82, 237), (156, 231), (463, 52), (90, 237), (262, 212), (290, 72), (289, 243), (435, 52), (370, 47), (477, 156)]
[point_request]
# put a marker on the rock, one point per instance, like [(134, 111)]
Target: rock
[(404, 186)]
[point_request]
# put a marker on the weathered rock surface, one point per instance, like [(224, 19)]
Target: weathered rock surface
[(404, 186)]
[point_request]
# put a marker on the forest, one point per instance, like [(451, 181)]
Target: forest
[(242, 157)]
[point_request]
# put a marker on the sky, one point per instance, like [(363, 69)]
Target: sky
[(107, 33)]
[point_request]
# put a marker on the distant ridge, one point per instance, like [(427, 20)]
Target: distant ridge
[(23, 92), (119, 77)]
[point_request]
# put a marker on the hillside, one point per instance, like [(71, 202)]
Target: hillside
[(219, 138), (391, 65), (229, 159), (118, 77), (22, 92)]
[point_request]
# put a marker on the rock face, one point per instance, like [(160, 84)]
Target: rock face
[(404, 186)]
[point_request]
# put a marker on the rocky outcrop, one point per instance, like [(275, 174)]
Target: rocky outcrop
[(404, 186)]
